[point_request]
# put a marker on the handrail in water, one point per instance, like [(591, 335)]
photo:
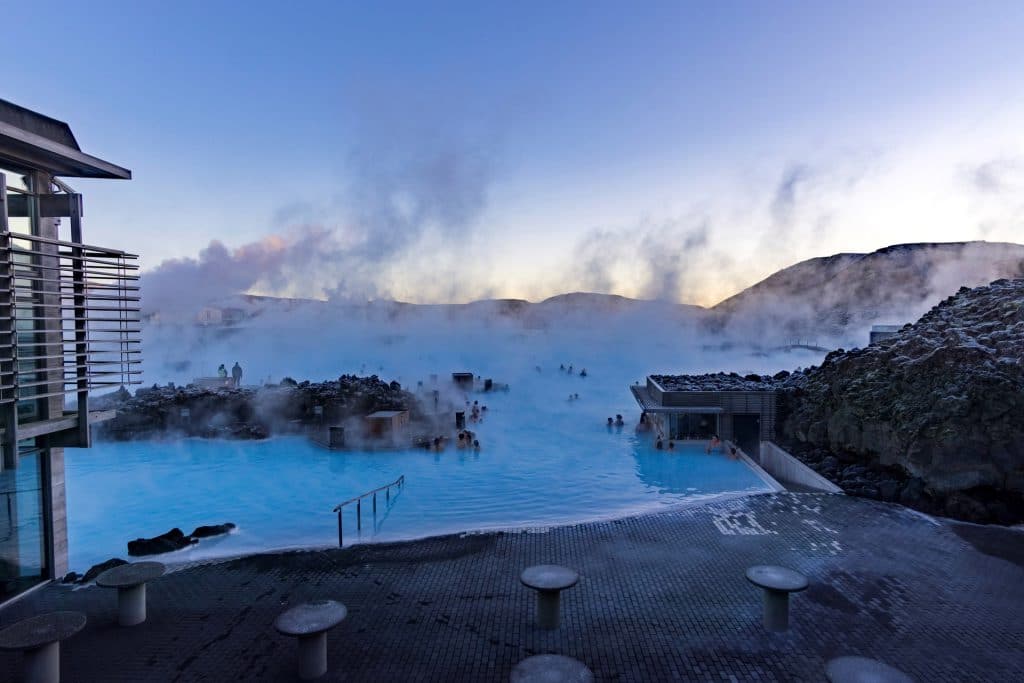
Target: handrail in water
[(358, 500)]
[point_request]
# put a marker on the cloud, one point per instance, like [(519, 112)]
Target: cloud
[(404, 205), (273, 264), (998, 176)]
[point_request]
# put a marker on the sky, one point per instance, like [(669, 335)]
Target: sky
[(437, 152)]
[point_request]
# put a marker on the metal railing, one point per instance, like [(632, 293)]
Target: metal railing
[(358, 500), (69, 318)]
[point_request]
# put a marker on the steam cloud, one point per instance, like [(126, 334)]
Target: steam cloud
[(403, 201)]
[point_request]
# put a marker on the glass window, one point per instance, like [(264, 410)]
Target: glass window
[(23, 526)]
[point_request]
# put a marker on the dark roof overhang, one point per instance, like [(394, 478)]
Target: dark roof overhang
[(31, 141)]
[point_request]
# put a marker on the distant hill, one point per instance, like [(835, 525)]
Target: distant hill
[(825, 301), (836, 295)]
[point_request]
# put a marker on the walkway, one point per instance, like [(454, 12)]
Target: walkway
[(661, 597)]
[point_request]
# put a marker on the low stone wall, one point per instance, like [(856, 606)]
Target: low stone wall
[(786, 468)]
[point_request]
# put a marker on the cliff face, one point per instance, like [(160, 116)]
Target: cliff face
[(943, 400)]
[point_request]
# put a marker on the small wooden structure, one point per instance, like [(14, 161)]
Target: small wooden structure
[(463, 379), (213, 382), (385, 423)]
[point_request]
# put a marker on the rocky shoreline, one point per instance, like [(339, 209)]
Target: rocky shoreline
[(932, 418), (246, 413)]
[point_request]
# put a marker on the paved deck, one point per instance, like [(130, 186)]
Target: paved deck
[(660, 597)]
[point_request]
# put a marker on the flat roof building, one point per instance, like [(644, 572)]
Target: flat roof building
[(69, 324), (880, 332), (699, 407)]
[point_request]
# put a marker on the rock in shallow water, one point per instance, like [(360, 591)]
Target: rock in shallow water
[(174, 539), (212, 530)]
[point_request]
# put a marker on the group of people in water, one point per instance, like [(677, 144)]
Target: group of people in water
[(476, 413), (570, 370), (465, 439), (661, 443), (618, 422)]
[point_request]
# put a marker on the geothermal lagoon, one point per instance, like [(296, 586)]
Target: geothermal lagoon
[(545, 460)]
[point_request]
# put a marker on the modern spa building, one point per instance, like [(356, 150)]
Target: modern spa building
[(688, 407), (69, 325)]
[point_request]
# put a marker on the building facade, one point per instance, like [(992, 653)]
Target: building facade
[(743, 416), (69, 325)]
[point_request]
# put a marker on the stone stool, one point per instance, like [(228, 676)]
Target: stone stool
[(310, 622), (863, 670), (778, 583), (549, 581), (130, 582), (551, 669), (39, 638)]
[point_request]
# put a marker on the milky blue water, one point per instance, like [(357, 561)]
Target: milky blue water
[(281, 492), (545, 460)]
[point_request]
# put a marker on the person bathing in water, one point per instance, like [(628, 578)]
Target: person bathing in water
[(715, 444), (619, 421)]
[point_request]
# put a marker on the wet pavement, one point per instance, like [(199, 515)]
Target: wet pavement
[(660, 597)]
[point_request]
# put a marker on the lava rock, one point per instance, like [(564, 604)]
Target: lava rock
[(889, 490), (212, 530), (174, 539), (70, 577), (936, 411), (98, 569)]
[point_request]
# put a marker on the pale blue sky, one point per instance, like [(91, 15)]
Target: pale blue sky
[(522, 149)]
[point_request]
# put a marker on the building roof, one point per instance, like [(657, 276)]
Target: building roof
[(31, 140), (649, 405), (385, 414), (714, 382)]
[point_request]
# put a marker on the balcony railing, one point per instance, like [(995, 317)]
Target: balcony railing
[(69, 318)]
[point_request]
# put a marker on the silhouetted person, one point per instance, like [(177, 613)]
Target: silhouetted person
[(236, 374), (659, 445), (222, 372), (619, 421), (583, 372)]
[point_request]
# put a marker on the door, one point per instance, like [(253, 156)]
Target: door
[(746, 429)]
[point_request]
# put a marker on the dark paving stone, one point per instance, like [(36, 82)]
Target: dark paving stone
[(661, 597)]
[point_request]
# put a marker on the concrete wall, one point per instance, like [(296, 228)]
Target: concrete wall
[(58, 513), (784, 467)]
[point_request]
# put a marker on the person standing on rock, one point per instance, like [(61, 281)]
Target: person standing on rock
[(236, 374), (222, 372)]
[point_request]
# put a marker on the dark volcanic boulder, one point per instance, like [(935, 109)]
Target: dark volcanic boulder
[(212, 530), (174, 539), (943, 400), (98, 569), (932, 418)]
